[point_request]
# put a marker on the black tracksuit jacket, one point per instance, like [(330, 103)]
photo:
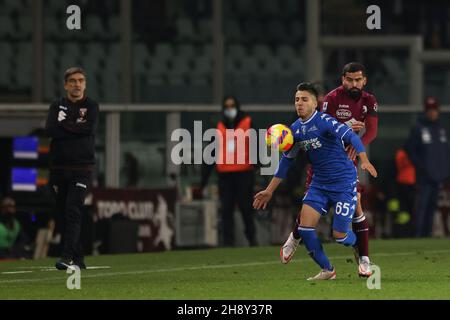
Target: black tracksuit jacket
[(73, 139)]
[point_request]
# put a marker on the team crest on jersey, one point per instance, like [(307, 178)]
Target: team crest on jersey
[(325, 106), (313, 128), (304, 129), (82, 113), (375, 107), (364, 109)]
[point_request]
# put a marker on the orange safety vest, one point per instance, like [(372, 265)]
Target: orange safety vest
[(406, 172), (229, 148)]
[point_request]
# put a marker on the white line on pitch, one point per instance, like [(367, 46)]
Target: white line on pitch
[(221, 266)]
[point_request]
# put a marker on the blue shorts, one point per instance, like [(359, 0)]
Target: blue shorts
[(343, 202)]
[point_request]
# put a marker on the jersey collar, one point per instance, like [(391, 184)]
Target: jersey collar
[(310, 118)]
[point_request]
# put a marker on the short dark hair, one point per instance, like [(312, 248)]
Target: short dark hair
[(236, 101), (306, 86), (354, 67), (73, 70)]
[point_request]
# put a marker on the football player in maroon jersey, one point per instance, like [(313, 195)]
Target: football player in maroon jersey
[(349, 104)]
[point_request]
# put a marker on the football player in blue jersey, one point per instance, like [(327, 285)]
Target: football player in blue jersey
[(323, 138)]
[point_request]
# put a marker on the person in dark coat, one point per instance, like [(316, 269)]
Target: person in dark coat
[(428, 149)]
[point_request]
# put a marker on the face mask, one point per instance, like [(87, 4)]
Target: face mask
[(230, 113), (355, 93)]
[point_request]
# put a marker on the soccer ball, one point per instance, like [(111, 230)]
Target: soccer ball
[(279, 136)]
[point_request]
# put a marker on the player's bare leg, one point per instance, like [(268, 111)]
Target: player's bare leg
[(360, 227), (288, 249)]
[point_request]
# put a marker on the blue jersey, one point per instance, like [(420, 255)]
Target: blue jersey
[(323, 137)]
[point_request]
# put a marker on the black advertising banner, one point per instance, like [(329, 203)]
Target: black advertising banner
[(153, 209)]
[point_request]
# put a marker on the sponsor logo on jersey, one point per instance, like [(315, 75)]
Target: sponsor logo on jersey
[(62, 107), (310, 144), (313, 128), (344, 106), (343, 114)]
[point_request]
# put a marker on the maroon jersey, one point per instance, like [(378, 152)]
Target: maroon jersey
[(338, 104)]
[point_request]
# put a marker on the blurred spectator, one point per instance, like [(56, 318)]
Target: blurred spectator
[(406, 180), (444, 207), (428, 149), (11, 244), (236, 181), (131, 170), (436, 17)]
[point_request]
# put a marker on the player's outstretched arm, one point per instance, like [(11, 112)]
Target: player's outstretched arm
[(366, 165), (350, 137), (262, 198)]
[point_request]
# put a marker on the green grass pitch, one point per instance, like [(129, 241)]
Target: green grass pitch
[(410, 269)]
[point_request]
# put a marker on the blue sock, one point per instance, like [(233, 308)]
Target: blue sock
[(314, 247), (348, 240)]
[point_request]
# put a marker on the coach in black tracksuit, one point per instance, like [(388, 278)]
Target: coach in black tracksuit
[(71, 123)]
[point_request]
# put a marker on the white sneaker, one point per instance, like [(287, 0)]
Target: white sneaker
[(365, 267), (324, 275), (288, 249)]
